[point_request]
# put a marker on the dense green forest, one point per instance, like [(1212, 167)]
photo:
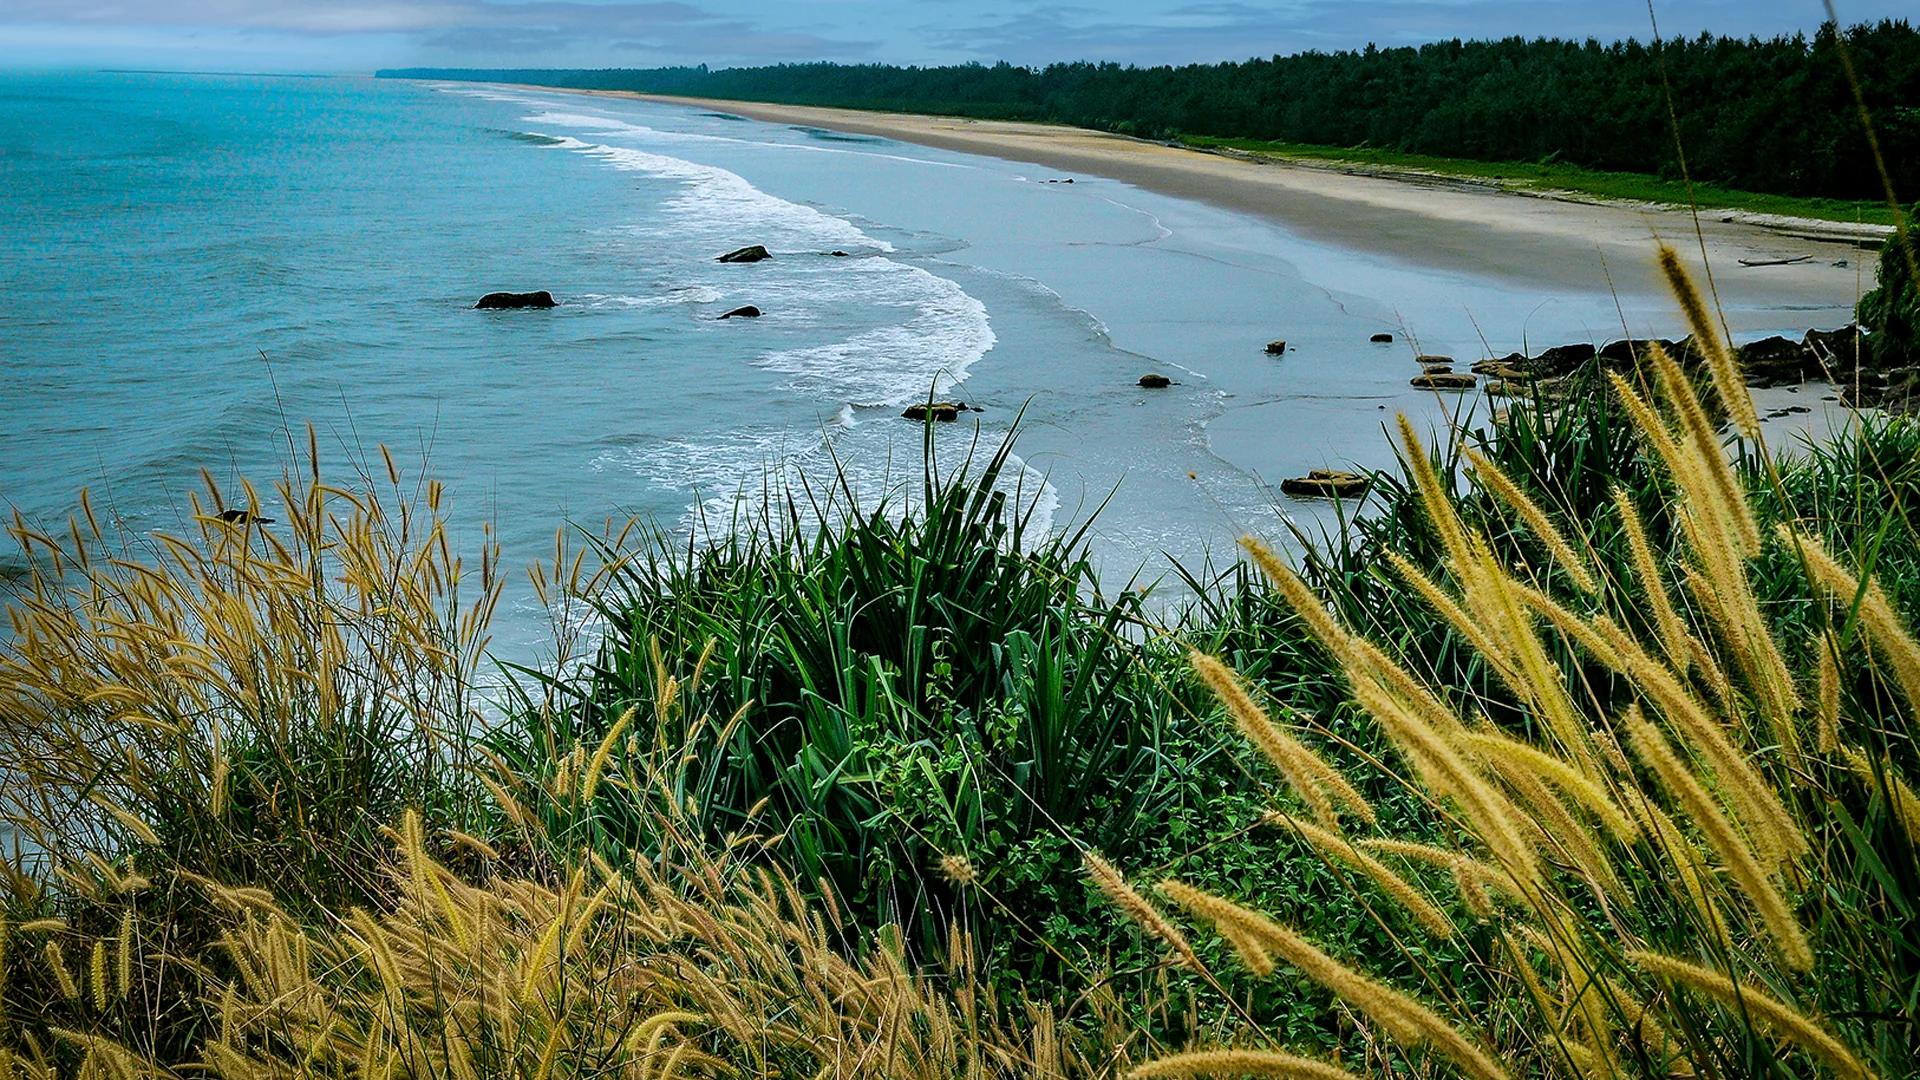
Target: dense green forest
[(1770, 115)]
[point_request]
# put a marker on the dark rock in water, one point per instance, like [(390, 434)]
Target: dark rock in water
[(946, 412), (1776, 361), (1426, 359), (746, 312), (1437, 369), (1381, 339), (1155, 382), (1634, 350), (242, 517), (1510, 366), (1275, 348), (1562, 359), (502, 301), (838, 254), (750, 254), (1503, 369), (1836, 347), (1326, 484), (1447, 381)]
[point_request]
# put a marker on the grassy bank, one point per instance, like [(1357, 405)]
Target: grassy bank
[(1552, 176), (1597, 762)]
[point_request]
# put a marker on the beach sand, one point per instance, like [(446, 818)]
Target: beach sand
[(1449, 225)]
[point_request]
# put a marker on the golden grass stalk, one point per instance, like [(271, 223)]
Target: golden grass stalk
[(1311, 609), (1557, 772), (1317, 782), (1536, 520), (1788, 1022), (1902, 803), (1883, 625), (1720, 360), (1344, 850), (1434, 495), (1774, 830), (1239, 1063), (1410, 1022), (1739, 860), (1455, 615), (1446, 772), (1666, 619), (1139, 909)]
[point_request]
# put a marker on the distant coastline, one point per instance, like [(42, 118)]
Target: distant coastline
[(1449, 226)]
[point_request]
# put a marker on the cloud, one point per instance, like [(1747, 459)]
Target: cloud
[(592, 33), (549, 31), (1213, 30)]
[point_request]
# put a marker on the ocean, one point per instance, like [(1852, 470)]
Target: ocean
[(194, 264)]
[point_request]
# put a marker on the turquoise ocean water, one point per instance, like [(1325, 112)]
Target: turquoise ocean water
[(191, 262)]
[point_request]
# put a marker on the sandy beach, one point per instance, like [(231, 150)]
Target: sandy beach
[(1456, 226)]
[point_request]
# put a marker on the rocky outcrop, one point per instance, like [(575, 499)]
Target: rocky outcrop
[(1381, 339), (506, 301), (1430, 359), (1436, 369), (1838, 349), (1275, 348), (1511, 369), (1562, 359), (745, 312), (1326, 484), (1154, 381), (1448, 381), (1777, 361), (750, 254), (1628, 352), (946, 412)]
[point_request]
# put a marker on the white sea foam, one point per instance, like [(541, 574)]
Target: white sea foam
[(613, 126), (717, 202), (930, 351), (734, 474), (688, 294)]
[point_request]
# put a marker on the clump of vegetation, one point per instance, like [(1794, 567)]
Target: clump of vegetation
[(1891, 312)]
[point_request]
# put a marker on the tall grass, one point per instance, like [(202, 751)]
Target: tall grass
[(1675, 849)]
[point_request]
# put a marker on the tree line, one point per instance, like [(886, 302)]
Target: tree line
[(1771, 115)]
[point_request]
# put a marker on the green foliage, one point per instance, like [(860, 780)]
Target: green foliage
[(884, 689), (1891, 312), (1773, 115)]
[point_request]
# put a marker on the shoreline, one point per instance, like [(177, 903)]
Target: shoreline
[(1543, 239)]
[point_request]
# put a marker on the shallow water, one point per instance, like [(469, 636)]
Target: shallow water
[(194, 262)]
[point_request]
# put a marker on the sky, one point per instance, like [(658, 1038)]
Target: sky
[(360, 35)]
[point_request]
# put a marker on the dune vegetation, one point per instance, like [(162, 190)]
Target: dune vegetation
[(1586, 748)]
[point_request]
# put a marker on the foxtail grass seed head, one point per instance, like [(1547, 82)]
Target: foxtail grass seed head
[(1311, 609), (1139, 908), (1232, 1063), (1740, 862), (1408, 1021), (1340, 849), (1786, 1021), (1720, 360), (1537, 521), (1317, 782)]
